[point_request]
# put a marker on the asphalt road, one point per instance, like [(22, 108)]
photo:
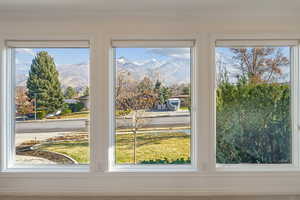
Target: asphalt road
[(81, 125)]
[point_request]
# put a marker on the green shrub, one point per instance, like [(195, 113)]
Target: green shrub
[(166, 161), (253, 123), (41, 114), (76, 107), (66, 111)]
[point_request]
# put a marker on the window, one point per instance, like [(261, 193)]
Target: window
[(49, 103), (152, 103), (254, 102)]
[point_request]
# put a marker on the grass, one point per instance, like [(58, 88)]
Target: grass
[(149, 147), (75, 115), (78, 150), (152, 147), (184, 108)]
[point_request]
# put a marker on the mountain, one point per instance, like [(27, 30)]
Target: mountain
[(170, 71), (74, 75)]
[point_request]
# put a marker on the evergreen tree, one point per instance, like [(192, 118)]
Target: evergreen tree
[(70, 93), (43, 83), (86, 91)]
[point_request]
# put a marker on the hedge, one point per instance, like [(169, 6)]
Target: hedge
[(253, 123)]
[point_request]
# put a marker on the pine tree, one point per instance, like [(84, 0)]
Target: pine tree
[(70, 93), (43, 83)]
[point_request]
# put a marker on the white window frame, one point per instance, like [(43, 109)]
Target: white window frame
[(153, 43), (8, 131), (294, 74)]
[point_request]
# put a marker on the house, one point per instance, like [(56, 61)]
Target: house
[(85, 101)]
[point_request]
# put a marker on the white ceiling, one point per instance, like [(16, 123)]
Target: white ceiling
[(151, 7)]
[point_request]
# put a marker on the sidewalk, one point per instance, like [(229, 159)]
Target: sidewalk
[(152, 114), (52, 120), (30, 160), (21, 137)]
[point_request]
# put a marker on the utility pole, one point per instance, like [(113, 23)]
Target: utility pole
[(34, 106)]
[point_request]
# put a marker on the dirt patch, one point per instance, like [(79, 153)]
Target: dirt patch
[(54, 157)]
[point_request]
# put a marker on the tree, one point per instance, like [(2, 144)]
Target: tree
[(253, 123), (157, 85), (140, 102), (43, 83), (145, 85), (86, 91), (23, 103), (136, 97), (186, 90), (260, 64), (70, 93), (163, 93), (126, 87)]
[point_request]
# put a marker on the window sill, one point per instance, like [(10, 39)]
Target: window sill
[(256, 168), (153, 168), (47, 168)]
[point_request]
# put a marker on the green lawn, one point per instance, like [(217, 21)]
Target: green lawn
[(75, 115), (78, 150), (150, 146), (184, 108)]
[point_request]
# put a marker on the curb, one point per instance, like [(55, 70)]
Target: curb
[(155, 116), (51, 120)]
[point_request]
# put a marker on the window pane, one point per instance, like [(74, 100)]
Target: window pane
[(51, 105), (153, 105), (253, 105)]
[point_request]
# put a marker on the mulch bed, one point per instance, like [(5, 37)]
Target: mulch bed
[(25, 149)]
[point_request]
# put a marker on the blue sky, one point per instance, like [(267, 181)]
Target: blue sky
[(142, 54), (61, 56)]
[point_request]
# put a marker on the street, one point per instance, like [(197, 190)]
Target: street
[(47, 126)]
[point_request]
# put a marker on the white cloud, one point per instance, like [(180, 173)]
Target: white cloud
[(182, 53), (26, 51)]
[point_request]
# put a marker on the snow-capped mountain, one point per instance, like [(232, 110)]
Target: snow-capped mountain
[(171, 71)]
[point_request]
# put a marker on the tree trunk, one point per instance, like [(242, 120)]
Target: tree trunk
[(134, 145)]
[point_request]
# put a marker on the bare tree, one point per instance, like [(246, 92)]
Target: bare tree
[(260, 64), (136, 97), (144, 98)]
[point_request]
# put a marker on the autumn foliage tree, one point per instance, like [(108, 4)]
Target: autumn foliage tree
[(23, 103)]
